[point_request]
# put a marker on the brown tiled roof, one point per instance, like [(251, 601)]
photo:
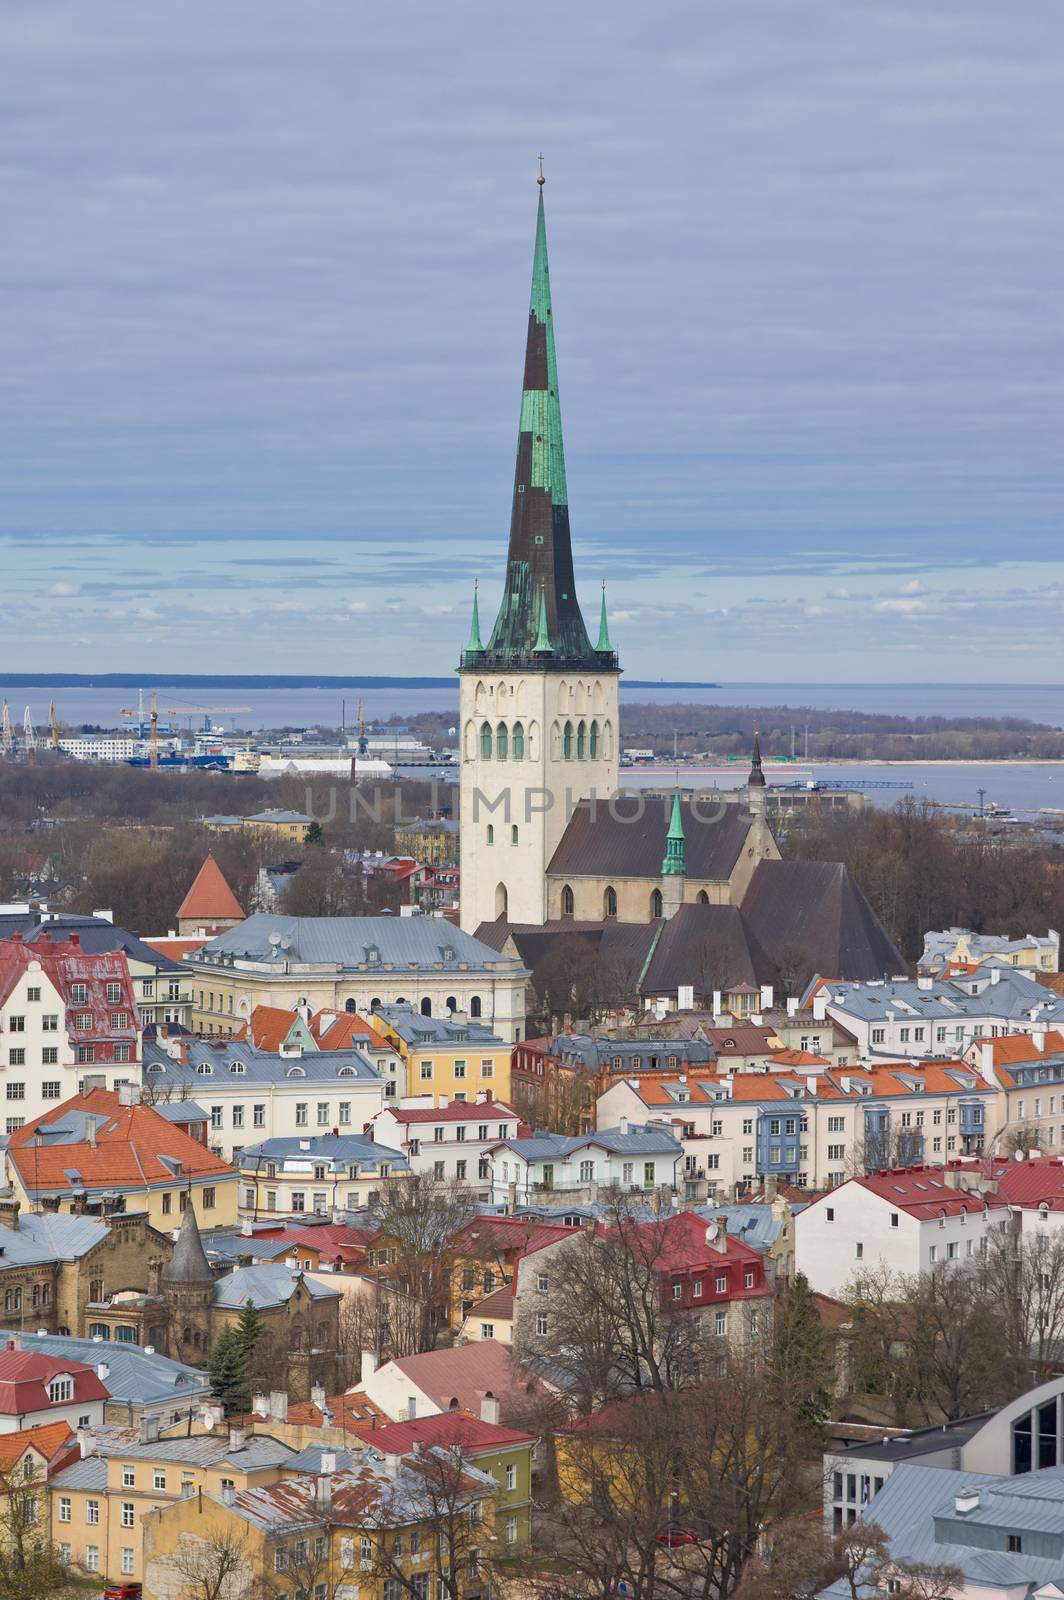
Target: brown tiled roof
[(610, 846), (710, 947), (467, 1372), (624, 943), (210, 898)]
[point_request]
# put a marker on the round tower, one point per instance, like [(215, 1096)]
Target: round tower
[(187, 1285)]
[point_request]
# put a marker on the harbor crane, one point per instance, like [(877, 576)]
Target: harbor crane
[(29, 732), (53, 725), (169, 711), (7, 732)]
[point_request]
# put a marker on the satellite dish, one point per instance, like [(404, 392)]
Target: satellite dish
[(275, 939)]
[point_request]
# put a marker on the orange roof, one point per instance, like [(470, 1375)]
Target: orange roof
[(345, 1031), (210, 898), (269, 1027), (163, 945), (48, 1439), (1015, 1048), (130, 1145), (798, 1058)]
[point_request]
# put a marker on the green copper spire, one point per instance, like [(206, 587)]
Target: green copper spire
[(542, 645), (474, 629), (673, 865), (540, 554), (604, 630)]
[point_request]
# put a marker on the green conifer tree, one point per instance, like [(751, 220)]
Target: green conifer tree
[(802, 1354), (228, 1368)]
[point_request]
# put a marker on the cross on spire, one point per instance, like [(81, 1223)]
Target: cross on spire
[(541, 180)]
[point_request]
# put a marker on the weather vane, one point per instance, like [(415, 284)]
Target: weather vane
[(541, 180)]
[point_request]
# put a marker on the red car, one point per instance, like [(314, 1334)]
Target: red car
[(123, 1591), (674, 1537)]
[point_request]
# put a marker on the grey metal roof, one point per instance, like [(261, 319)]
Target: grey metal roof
[(335, 1150), (918, 1442), (135, 1374), (638, 1141), (415, 1029), (49, 1237), (1015, 994), (916, 1510), (89, 1473), (755, 1224), (267, 1284), (257, 1450), (97, 935), (417, 944), (309, 1458), (181, 1111), (255, 1066)]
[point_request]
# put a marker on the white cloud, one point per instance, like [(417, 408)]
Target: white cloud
[(902, 607), (64, 588)]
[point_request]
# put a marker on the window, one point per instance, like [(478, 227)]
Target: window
[(1015, 1544), (720, 1324), (426, 1072), (50, 1023), (301, 1113), (299, 1200), (127, 1513), (79, 994), (92, 1557), (158, 1479), (128, 1478), (344, 1116), (15, 1058), (86, 1055), (459, 1069), (50, 1058), (859, 1250), (280, 1559), (61, 1389), (208, 1199), (92, 1512), (323, 1113), (119, 1019), (238, 1116), (541, 1323), (829, 1213), (64, 1508), (258, 1116), (128, 1560), (587, 1171), (487, 1330)]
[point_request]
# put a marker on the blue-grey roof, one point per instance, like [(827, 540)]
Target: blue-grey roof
[(415, 1029), (335, 1150), (756, 1224), (212, 1061), (49, 1237), (280, 816), (135, 1374), (267, 1284), (638, 1141), (591, 1052), (1015, 994), (181, 1111), (916, 1509), (368, 944), (97, 935), (89, 1473), (257, 1450)]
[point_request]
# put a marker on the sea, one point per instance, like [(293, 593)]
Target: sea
[(1028, 789)]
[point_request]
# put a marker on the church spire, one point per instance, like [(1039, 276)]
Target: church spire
[(757, 775), (603, 645), (674, 864), (539, 571), (475, 647)]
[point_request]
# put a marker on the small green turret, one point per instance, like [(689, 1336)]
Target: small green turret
[(674, 865)]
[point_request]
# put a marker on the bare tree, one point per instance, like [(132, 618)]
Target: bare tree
[(31, 1566), (799, 1559), (1023, 1278), (419, 1221), (443, 1517), (214, 1568)]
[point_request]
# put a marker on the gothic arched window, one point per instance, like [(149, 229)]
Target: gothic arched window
[(513, 834), (474, 1006), (655, 905), (567, 742), (581, 741), (485, 741), (567, 901), (491, 833), (593, 742), (609, 901), (501, 900), (519, 742), (703, 898), (426, 1007), (501, 741)]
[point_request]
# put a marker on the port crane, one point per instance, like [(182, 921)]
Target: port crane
[(169, 711), (29, 732), (7, 732), (363, 742), (53, 726)]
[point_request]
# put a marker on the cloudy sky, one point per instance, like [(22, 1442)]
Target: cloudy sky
[(262, 309)]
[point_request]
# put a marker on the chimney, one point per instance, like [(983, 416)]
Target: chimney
[(103, 1371), (86, 1442), (717, 1007), (965, 1501), (995, 974), (245, 1228), (228, 1496), (149, 1430), (622, 1126), (766, 997), (260, 1405), (685, 997), (128, 1094), (792, 1008), (489, 1409), (820, 1008), (237, 1437), (716, 1236), (317, 1395), (279, 1405), (9, 1210), (369, 1365), (90, 1125), (1038, 1039), (392, 1463), (771, 1186)]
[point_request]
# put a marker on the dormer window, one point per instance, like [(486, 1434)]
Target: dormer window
[(347, 1072), (61, 1389), (372, 953), (295, 1072), (236, 1066), (205, 1069)]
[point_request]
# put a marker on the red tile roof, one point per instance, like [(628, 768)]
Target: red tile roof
[(24, 1379), (130, 1144), (63, 963), (210, 898), (268, 1027), (922, 1192), (451, 1429), (175, 948), (460, 1111), (48, 1438), (499, 1304), (345, 1031)]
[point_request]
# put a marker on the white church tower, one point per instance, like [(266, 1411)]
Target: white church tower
[(539, 724)]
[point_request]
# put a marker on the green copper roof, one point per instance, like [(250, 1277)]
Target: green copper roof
[(604, 628), (474, 628), (673, 864), (539, 596), (542, 644)]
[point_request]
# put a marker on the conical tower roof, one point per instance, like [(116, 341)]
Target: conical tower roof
[(675, 842), (188, 1264), (757, 777), (540, 559), (210, 898)]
